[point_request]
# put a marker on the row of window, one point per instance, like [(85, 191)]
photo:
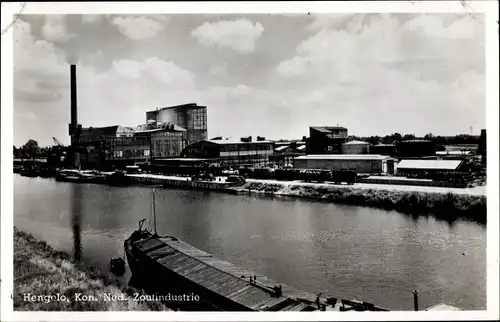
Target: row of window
[(131, 153), (168, 134)]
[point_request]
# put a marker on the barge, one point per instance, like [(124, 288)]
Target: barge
[(167, 265)]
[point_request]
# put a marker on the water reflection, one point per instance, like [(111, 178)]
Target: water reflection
[(379, 256), (76, 204)]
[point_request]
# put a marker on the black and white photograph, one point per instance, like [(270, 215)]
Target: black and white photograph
[(319, 161)]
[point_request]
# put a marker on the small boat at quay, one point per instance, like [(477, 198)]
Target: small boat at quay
[(168, 265), (76, 176), (29, 172)]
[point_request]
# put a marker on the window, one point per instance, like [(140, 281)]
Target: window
[(146, 153)]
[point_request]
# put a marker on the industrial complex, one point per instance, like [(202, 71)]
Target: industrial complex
[(176, 136)]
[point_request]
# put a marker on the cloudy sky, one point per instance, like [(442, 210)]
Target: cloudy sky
[(268, 75)]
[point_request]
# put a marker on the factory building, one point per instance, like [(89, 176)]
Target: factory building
[(233, 153), (118, 146), (360, 163), (415, 149), (167, 139), (191, 117), (383, 149), (326, 139), (355, 147)]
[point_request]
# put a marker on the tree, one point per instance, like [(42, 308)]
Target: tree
[(31, 149), (409, 137), (429, 136)]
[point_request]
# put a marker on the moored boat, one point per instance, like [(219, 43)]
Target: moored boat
[(166, 265), (30, 172)]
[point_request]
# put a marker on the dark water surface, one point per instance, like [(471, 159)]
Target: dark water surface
[(352, 252)]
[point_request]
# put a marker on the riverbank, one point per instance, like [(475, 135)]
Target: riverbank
[(48, 280), (447, 206)]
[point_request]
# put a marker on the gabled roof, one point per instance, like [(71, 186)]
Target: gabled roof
[(327, 128), (107, 130), (429, 164), (281, 148)]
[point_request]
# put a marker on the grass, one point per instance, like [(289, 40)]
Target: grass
[(443, 206), (40, 270)]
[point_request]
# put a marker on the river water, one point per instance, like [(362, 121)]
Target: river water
[(350, 252)]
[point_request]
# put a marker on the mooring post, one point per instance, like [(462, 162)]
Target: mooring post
[(415, 300)]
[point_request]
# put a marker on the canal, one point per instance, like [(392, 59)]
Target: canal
[(350, 252)]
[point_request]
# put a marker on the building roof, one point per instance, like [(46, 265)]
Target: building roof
[(343, 157), (453, 152), (416, 141), (382, 144), (107, 130), (429, 164), (235, 142), (188, 105), (175, 129), (356, 143), (281, 148), (327, 128)]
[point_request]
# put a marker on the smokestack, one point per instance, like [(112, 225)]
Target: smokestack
[(74, 110)]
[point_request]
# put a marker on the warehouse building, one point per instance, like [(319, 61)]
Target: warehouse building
[(233, 153), (355, 147), (360, 163), (326, 139), (413, 167)]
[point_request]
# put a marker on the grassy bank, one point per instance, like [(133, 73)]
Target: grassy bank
[(445, 206), (39, 270)]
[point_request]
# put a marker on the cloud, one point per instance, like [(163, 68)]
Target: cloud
[(90, 18), (239, 35), (379, 68), (137, 27), (465, 27), (54, 29)]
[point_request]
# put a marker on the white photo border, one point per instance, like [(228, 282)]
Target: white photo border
[(489, 8)]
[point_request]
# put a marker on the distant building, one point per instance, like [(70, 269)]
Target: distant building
[(361, 163), (191, 117), (454, 155), (415, 149), (383, 149), (355, 147), (233, 153), (326, 139)]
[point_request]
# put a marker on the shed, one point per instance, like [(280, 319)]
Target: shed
[(360, 163), (419, 165)]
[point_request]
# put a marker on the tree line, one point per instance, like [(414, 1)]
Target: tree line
[(31, 150), (438, 140)]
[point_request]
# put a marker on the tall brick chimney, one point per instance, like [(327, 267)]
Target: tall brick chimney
[(74, 111)]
